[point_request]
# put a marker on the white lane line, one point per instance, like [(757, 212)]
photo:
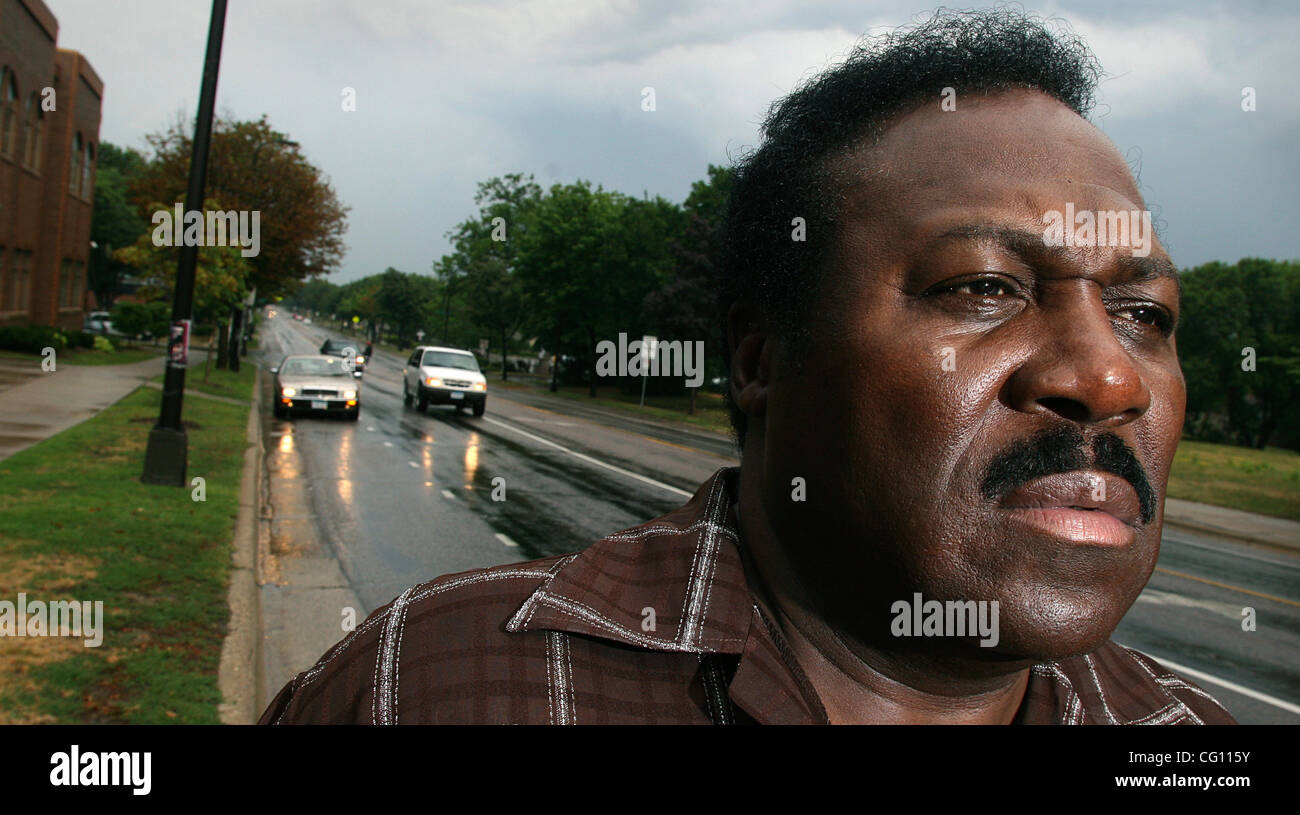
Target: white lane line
[(413, 464), (388, 444), (1223, 683), (506, 540), (370, 429), (449, 494), (661, 485)]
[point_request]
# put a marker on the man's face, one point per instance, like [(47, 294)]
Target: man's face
[(967, 385)]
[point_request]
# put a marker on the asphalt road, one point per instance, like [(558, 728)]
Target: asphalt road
[(357, 512)]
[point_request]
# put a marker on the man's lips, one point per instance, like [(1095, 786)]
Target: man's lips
[(1085, 506)]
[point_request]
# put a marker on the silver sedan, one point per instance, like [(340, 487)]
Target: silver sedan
[(316, 383)]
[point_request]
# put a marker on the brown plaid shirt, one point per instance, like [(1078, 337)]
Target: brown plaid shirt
[(653, 625)]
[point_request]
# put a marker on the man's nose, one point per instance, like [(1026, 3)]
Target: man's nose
[(1079, 370)]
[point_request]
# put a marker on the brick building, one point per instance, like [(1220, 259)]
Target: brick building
[(50, 101)]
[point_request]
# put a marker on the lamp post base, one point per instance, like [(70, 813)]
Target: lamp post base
[(165, 458)]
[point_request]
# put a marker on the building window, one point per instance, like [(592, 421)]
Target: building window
[(20, 282), (74, 165), (71, 275), (33, 134), (8, 113), (86, 171)]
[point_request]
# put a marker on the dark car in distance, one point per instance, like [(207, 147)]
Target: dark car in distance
[(348, 350)]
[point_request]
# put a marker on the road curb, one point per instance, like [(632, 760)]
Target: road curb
[(237, 677)]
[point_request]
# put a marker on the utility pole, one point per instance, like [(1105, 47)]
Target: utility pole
[(166, 457)]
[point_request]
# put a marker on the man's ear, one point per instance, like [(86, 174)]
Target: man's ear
[(750, 359)]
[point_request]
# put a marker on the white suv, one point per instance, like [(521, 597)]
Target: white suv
[(444, 376)]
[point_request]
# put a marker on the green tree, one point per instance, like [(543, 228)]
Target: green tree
[(588, 261), (685, 307), (487, 252), (1228, 314), (220, 279), (114, 223)]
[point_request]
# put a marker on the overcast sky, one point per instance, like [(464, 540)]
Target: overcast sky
[(452, 93)]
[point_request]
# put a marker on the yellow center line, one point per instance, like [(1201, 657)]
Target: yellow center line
[(1228, 586)]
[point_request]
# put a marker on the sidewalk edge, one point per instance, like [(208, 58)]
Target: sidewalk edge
[(1236, 537), (240, 658)]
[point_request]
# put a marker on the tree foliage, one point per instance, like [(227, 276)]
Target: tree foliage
[(114, 223), (253, 167), (1231, 313)]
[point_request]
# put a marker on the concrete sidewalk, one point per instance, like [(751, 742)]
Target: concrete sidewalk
[(1275, 533), (36, 404)]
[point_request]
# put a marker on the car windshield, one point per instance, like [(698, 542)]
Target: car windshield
[(313, 367), (335, 347), (446, 359)]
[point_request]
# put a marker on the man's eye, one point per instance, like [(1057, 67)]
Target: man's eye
[(981, 288), (1150, 315)]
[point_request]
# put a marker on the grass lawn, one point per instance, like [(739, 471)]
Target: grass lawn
[(220, 382), (79, 525), (1264, 481)]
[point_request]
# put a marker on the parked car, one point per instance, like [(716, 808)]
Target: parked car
[(346, 349), (310, 382), (98, 322), (444, 376)]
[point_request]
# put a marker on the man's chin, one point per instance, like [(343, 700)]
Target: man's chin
[(1036, 635)]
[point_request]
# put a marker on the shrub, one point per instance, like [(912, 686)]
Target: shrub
[(142, 319), (32, 339), (103, 344)]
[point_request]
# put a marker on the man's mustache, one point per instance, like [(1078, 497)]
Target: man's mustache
[(1062, 450)]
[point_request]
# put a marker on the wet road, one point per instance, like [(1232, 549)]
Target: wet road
[(359, 511)]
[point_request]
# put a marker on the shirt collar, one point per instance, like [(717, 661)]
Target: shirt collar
[(672, 584)]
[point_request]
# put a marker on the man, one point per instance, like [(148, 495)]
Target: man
[(955, 437)]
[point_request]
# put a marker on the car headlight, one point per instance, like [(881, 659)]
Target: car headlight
[(433, 382), (479, 386), (349, 394), (360, 358), (288, 392)]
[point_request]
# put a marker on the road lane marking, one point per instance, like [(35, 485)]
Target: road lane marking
[(449, 494), (661, 485), (1228, 586), (1223, 683), (388, 444), (413, 464), (506, 540), (1169, 598), (370, 429)]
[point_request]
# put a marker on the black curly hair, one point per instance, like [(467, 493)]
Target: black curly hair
[(794, 171)]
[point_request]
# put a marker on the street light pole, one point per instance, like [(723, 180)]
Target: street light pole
[(165, 458)]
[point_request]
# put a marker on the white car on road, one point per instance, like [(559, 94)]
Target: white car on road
[(444, 376)]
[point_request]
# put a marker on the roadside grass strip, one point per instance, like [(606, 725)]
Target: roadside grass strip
[(1263, 481), (79, 526)]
